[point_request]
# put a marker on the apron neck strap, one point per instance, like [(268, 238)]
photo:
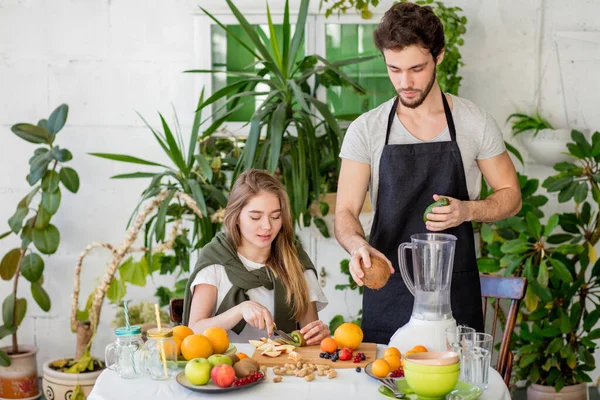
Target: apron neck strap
[(449, 119)]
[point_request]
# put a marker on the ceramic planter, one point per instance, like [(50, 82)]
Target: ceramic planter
[(58, 385), (20, 379), (541, 392), (548, 146)]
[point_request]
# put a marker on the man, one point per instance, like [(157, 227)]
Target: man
[(411, 151)]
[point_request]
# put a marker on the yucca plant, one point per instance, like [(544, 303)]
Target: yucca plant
[(195, 172), (298, 127)]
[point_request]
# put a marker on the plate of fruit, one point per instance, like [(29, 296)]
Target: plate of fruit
[(213, 342), (200, 375)]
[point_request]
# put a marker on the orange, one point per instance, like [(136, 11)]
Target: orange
[(392, 351), (218, 338), (419, 349), (182, 331), (241, 356), (380, 368), (348, 335), (196, 346), (416, 349), (394, 362), (329, 345)]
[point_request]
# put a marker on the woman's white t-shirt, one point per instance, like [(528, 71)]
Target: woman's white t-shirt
[(216, 276)]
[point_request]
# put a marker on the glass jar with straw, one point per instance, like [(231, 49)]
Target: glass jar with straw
[(160, 352), (124, 355)]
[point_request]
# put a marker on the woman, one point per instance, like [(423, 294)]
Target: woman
[(253, 275)]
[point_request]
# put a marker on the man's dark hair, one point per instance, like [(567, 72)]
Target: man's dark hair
[(406, 24)]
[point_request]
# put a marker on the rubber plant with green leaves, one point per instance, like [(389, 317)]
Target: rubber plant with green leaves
[(31, 221), (555, 343), (297, 126)]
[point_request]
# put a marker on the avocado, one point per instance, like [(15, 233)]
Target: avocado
[(440, 203)]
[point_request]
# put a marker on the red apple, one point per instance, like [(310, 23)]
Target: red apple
[(222, 375)]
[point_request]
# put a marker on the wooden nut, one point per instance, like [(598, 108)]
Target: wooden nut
[(279, 371), (321, 372), (309, 377), (299, 364), (290, 372), (277, 379), (263, 368), (332, 374)]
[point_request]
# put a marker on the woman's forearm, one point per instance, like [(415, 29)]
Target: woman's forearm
[(226, 320)]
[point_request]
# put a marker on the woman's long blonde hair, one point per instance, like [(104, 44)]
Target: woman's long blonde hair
[(283, 260)]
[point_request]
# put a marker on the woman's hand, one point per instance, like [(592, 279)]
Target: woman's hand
[(257, 316), (315, 331)]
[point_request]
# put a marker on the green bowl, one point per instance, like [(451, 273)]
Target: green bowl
[(431, 381)]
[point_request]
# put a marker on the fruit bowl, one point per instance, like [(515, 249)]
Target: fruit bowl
[(182, 362), (210, 387)]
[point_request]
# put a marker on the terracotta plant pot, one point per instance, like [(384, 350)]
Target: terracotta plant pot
[(541, 392), (20, 379), (58, 385)]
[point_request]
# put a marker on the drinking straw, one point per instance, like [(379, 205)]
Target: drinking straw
[(126, 311), (162, 348)]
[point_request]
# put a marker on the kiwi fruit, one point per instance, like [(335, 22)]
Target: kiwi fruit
[(245, 367), (377, 275)]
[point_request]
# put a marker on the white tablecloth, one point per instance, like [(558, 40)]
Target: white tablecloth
[(348, 385)]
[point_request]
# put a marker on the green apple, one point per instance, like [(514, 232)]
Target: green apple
[(197, 371), (217, 359)]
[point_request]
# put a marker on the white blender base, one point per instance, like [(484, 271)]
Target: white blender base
[(431, 334)]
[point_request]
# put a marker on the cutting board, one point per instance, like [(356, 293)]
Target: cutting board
[(310, 354)]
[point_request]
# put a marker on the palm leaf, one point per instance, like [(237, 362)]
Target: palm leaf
[(176, 155), (230, 33), (252, 35), (278, 124), (298, 34), (195, 130), (286, 39), (126, 158)]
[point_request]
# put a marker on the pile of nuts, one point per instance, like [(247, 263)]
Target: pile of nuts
[(303, 370)]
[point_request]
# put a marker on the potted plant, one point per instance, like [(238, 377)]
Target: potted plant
[(18, 366), (297, 127), (544, 143), (555, 343)]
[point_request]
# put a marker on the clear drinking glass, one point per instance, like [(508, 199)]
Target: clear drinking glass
[(460, 340), (480, 359)]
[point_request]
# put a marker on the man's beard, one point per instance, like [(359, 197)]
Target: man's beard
[(424, 93)]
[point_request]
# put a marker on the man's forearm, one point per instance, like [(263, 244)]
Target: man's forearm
[(499, 205), (348, 231)]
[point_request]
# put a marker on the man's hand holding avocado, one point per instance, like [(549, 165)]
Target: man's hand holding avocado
[(442, 217)]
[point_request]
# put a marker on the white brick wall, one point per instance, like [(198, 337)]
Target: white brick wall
[(108, 58)]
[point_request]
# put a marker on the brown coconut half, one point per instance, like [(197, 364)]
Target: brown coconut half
[(377, 275)]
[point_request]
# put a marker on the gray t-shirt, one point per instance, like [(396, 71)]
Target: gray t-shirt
[(478, 136)]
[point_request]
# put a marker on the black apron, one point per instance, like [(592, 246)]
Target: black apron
[(409, 176)]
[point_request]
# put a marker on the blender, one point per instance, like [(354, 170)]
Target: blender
[(432, 263)]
